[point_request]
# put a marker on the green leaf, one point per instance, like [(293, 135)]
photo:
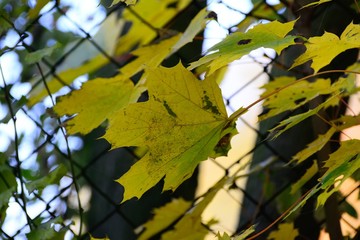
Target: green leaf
[(85, 59), (46, 231), (294, 120), (314, 146), (315, 3), (190, 226), (322, 50), (341, 165), (164, 217), (93, 238), (236, 45), (264, 11), (150, 56), (36, 56), (16, 105), (293, 95), (181, 124), (7, 186), (243, 235), (310, 172), (157, 13), (286, 231), (345, 206), (340, 123), (95, 102), (51, 178), (197, 24)]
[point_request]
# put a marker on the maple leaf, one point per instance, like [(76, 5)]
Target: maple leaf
[(190, 226), (95, 102), (180, 125), (286, 231), (236, 45), (164, 217), (322, 50), (295, 93)]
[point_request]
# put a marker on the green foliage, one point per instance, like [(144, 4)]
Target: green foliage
[(321, 49), (285, 231), (270, 35)]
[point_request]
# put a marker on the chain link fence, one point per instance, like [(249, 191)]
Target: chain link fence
[(55, 185)]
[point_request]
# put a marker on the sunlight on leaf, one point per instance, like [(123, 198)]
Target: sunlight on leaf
[(270, 35), (164, 217), (322, 50), (96, 101), (286, 231), (181, 124)]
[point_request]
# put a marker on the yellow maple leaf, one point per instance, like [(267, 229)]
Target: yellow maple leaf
[(180, 125), (322, 50)]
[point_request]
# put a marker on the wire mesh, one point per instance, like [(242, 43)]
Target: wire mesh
[(35, 142)]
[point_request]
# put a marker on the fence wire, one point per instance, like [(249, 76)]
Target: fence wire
[(34, 142)]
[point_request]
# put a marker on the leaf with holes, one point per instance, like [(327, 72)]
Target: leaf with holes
[(322, 50), (180, 124), (270, 35)]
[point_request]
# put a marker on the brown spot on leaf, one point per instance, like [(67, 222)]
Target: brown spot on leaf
[(244, 41)]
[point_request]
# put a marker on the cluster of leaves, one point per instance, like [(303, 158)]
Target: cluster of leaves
[(184, 120)]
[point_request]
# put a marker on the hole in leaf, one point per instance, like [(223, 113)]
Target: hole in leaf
[(244, 41)]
